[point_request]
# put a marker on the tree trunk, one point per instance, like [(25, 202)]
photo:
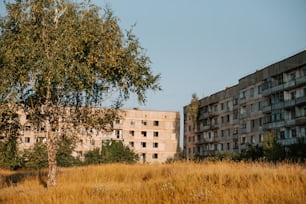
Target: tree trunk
[(51, 148)]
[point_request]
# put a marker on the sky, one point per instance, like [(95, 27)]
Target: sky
[(202, 46)]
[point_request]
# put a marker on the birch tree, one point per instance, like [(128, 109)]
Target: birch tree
[(58, 59)]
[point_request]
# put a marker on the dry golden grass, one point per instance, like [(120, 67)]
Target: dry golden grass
[(221, 182)]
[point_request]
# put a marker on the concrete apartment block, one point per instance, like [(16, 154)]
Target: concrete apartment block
[(272, 99), (153, 135)]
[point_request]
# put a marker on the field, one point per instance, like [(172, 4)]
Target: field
[(183, 182)]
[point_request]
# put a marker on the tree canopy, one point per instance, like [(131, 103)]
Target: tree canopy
[(59, 53)]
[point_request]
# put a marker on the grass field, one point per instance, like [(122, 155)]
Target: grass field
[(207, 182)]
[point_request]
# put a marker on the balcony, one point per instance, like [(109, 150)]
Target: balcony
[(277, 105), (300, 100), (266, 92), (289, 103), (273, 125), (289, 85), (266, 109), (300, 81), (301, 120)]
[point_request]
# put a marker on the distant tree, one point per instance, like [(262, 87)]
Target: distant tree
[(9, 137), (115, 151), (65, 147), (112, 152), (192, 110), (36, 157), (253, 152), (297, 151), (272, 150), (93, 157), (56, 54)]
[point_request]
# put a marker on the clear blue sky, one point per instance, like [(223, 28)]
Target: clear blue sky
[(201, 46)]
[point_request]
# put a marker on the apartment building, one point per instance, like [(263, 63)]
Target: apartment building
[(272, 99), (153, 135)]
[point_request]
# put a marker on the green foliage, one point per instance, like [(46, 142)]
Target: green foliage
[(9, 132), (112, 152), (36, 157), (252, 153), (272, 150), (64, 152), (93, 157), (9, 156), (115, 151), (297, 152), (224, 156), (192, 109), (57, 54)]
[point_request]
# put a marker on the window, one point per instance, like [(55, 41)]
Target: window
[(222, 106), (282, 134), (221, 146), (144, 133), (235, 114), (228, 118), (235, 100), (155, 145), (155, 156), (155, 123), (117, 121), (118, 133), (131, 132), (252, 92), (222, 119), (242, 94), (222, 133), (253, 107), (228, 146), (293, 132), (243, 140), (27, 140), (260, 138), (27, 128), (144, 122), (259, 89), (260, 122), (132, 122), (155, 134), (292, 76), (252, 139), (293, 94), (235, 132), (253, 123), (260, 105), (131, 144), (144, 144), (304, 72)]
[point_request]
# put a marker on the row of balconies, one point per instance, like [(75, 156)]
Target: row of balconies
[(285, 104), (285, 86)]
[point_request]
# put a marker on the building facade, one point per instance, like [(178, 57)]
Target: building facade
[(272, 99), (153, 135)]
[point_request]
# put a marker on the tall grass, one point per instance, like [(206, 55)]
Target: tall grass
[(220, 182)]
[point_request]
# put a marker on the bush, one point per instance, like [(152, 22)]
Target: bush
[(112, 152)]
